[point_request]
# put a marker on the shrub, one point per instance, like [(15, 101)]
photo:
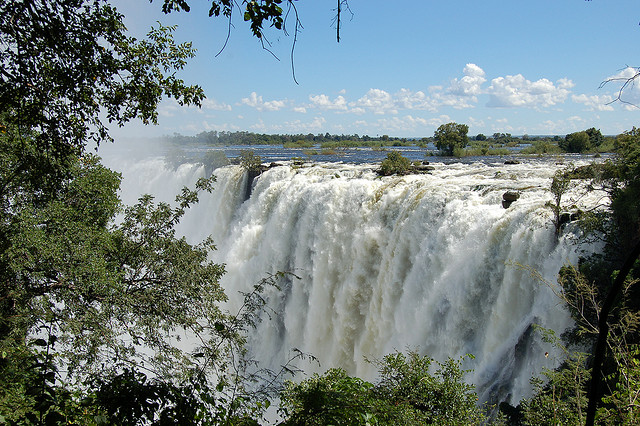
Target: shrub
[(394, 164)]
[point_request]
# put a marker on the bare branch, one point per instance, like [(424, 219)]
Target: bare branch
[(627, 83), (226, 40), (296, 30), (342, 5)]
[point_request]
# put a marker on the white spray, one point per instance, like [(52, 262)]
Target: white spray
[(422, 262)]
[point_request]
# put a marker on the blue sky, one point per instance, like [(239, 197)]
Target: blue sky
[(404, 68)]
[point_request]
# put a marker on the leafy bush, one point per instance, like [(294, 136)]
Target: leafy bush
[(214, 159), (250, 160), (542, 147), (576, 142), (394, 163), (407, 393)]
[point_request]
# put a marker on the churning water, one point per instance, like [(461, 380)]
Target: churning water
[(422, 262)]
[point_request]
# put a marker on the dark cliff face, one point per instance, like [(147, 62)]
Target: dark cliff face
[(251, 175)]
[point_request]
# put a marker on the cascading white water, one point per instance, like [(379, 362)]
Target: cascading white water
[(423, 262)]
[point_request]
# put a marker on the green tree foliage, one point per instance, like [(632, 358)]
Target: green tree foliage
[(394, 163), (560, 396), (250, 160), (213, 160), (96, 292), (625, 188), (333, 398), (559, 185), (408, 392), (293, 140), (602, 295), (66, 61), (451, 138), (595, 137), (80, 294), (576, 142), (255, 12)]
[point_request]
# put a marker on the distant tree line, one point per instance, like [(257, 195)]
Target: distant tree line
[(248, 138), (449, 139)]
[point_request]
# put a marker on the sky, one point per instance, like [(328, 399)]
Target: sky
[(404, 68)]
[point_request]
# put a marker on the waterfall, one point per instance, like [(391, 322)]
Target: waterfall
[(422, 262)]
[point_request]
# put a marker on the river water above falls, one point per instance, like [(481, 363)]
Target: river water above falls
[(422, 262)]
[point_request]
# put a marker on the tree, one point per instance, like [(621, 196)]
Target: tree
[(451, 137), (408, 392), (602, 295), (624, 186), (559, 186), (595, 137), (80, 293), (576, 142), (65, 61), (394, 163), (259, 13), (250, 160)]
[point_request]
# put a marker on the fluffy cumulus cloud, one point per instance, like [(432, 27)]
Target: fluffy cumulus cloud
[(258, 103), (454, 101), (409, 123), (563, 125), (595, 102), (516, 91), (470, 84), (323, 102), (380, 102), (212, 104), (511, 91), (295, 126), (421, 108), (406, 99), (377, 101)]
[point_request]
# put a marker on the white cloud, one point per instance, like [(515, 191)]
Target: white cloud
[(381, 102), (377, 101), (454, 101), (224, 127), (260, 126), (258, 103), (516, 91), (475, 123), (295, 126), (406, 99), (169, 108), (409, 122), (323, 102), (298, 126), (559, 126), (594, 102), (565, 83), (470, 84), (212, 104)]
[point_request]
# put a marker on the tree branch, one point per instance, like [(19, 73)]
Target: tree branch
[(603, 327)]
